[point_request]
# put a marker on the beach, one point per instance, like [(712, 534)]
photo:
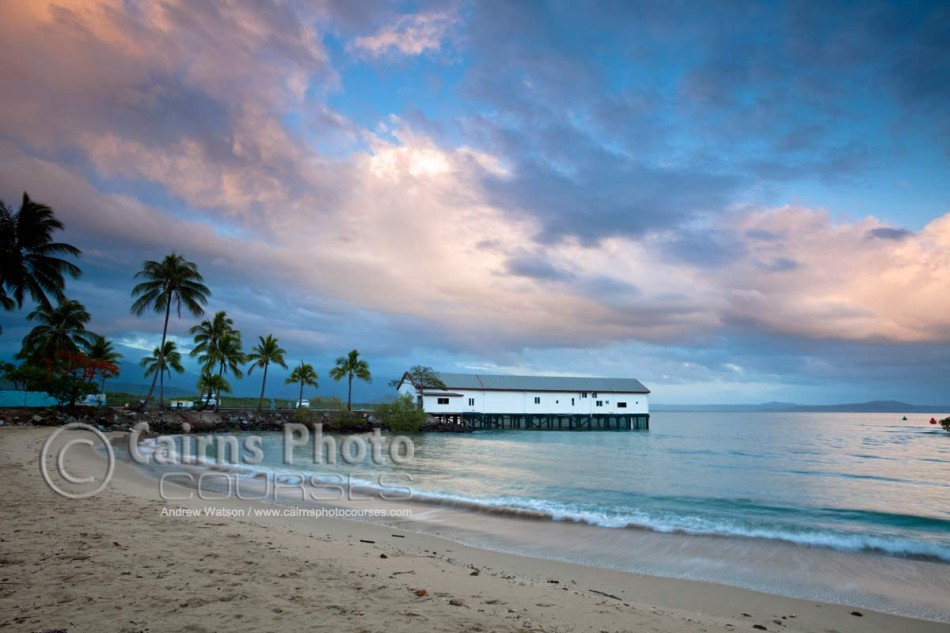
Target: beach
[(124, 560)]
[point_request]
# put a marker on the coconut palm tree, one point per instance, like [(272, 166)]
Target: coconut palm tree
[(350, 366), (61, 329), (101, 349), (211, 384), (267, 351), (30, 261), (210, 331), (305, 375), (162, 361), (218, 344), (174, 280), (230, 357)]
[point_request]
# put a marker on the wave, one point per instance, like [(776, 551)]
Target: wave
[(670, 523)]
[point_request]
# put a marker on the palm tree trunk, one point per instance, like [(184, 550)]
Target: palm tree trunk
[(150, 390), (260, 402), (168, 313), (217, 404), (349, 395), (300, 397)]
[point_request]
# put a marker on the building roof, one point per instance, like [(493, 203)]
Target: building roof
[(541, 383)]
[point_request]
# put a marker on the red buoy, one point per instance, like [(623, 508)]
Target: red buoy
[(933, 420)]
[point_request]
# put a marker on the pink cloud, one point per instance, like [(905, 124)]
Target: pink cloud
[(408, 35), (191, 98)]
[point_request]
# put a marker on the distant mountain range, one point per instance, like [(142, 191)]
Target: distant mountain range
[(875, 406)]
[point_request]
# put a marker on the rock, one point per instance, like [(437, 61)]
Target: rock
[(760, 627), (383, 556), (37, 419), (457, 602), (422, 593), (857, 614), (475, 572), (185, 428)]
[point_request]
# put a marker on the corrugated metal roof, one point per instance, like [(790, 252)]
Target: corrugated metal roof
[(542, 383)]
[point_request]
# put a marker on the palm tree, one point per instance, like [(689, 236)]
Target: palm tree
[(62, 329), (29, 258), (305, 375), (162, 361), (210, 331), (230, 357), (217, 343), (350, 366), (267, 351), (101, 349), (212, 384), (172, 280)]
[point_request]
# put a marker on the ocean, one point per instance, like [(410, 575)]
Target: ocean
[(840, 507)]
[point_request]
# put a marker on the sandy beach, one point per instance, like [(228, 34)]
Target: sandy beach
[(124, 560)]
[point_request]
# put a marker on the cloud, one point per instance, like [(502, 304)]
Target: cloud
[(842, 285), (409, 35), (535, 267), (564, 188), (889, 233)]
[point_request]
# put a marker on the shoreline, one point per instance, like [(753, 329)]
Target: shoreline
[(864, 577), (51, 564)]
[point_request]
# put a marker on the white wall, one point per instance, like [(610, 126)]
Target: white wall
[(524, 402)]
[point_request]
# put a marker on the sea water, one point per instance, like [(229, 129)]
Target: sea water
[(842, 507)]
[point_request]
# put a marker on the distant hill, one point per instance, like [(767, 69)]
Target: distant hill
[(874, 406)]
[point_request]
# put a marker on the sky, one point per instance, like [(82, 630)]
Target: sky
[(734, 202)]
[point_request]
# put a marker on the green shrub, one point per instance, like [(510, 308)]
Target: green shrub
[(330, 403), (349, 421), (945, 423), (333, 422), (304, 416), (401, 415)]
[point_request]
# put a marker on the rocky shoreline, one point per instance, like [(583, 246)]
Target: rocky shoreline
[(177, 422)]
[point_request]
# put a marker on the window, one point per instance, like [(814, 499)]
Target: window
[(583, 394), (471, 402), (572, 402), (621, 405), (593, 395), (443, 400), (537, 399), (600, 403)]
